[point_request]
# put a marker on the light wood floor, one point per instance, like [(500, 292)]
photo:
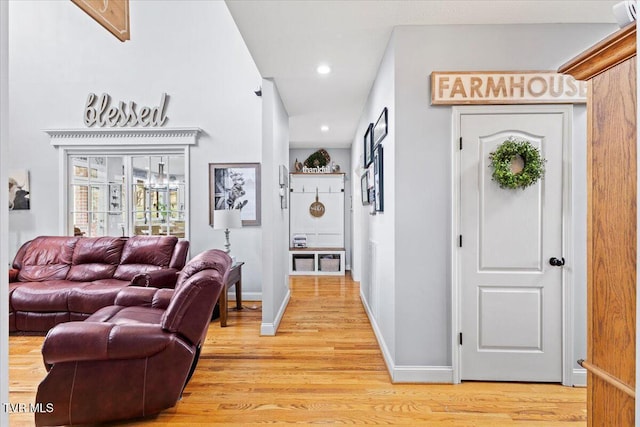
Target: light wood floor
[(323, 367)]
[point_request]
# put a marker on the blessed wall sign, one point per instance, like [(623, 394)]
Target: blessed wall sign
[(99, 111), (500, 87)]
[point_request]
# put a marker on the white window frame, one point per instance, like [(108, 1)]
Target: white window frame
[(123, 142)]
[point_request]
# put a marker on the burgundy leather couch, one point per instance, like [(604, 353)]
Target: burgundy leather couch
[(132, 359), (57, 279)]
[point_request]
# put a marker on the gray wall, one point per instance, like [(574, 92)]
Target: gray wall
[(275, 238), (422, 180)]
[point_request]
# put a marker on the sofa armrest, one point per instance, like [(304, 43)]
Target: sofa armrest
[(162, 298), (83, 341), (135, 296), (162, 278), (13, 275)]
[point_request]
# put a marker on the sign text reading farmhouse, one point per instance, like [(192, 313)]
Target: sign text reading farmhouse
[(98, 111), (526, 87)]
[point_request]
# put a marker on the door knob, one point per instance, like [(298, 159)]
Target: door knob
[(556, 262)]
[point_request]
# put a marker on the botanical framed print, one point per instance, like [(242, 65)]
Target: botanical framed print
[(381, 128), (368, 146), (378, 177), (235, 186)]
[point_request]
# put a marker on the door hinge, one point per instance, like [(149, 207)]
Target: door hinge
[(460, 241), (461, 143), (460, 338)]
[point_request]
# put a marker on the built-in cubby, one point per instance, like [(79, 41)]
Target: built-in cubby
[(321, 261), (316, 217)]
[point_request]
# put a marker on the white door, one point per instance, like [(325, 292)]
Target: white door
[(511, 297)]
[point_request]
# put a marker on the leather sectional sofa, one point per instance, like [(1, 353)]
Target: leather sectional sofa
[(134, 358), (56, 279)]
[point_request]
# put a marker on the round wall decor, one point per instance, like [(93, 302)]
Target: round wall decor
[(317, 208), (506, 168)]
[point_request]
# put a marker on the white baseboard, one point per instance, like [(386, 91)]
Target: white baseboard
[(579, 377), (270, 329), (406, 373)]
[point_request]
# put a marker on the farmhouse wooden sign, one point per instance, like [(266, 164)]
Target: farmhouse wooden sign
[(505, 87), (111, 14)]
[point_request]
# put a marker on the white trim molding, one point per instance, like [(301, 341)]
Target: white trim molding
[(407, 373), (127, 137), (569, 375), (123, 142), (270, 329)]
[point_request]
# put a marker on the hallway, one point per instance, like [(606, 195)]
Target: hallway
[(323, 367)]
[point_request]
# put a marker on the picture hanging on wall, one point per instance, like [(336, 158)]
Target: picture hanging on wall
[(283, 180), (381, 128), (235, 186), (368, 146), (378, 177), (364, 188), (19, 193)]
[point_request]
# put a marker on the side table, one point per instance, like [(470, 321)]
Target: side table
[(234, 278)]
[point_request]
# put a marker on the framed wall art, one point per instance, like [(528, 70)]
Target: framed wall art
[(19, 193), (381, 127), (368, 146), (378, 178), (364, 189), (235, 186)]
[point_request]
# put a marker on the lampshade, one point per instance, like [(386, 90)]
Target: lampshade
[(228, 218)]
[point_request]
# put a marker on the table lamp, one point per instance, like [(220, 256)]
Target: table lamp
[(224, 220)]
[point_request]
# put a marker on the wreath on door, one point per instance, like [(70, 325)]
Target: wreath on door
[(505, 157)]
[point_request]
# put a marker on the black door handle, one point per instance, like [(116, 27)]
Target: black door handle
[(556, 262)]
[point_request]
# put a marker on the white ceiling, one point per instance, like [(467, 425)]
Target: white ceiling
[(288, 39)]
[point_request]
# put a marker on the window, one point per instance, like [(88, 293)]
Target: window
[(124, 195)]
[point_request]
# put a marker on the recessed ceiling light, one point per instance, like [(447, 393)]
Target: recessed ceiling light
[(323, 69), (324, 128)]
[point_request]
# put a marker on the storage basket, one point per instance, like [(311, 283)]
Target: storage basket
[(303, 264), (329, 264)]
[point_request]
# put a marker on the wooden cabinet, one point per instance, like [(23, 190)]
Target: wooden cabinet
[(610, 69)]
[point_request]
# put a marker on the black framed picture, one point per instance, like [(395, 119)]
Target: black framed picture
[(368, 146), (378, 179), (364, 189), (381, 128)]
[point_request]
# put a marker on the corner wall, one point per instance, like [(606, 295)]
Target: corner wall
[(275, 236)]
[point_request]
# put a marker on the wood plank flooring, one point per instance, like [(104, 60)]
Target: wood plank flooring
[(323, 367)]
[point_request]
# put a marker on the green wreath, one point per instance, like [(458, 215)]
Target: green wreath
[(502, 158)]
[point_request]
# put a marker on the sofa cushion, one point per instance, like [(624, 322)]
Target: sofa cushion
[(44, 297), (121, 315), (38, 322), (144, 253), (47, 258), (95, 295), (95, 258)]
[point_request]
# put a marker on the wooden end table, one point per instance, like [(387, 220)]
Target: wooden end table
[(234, 278)]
